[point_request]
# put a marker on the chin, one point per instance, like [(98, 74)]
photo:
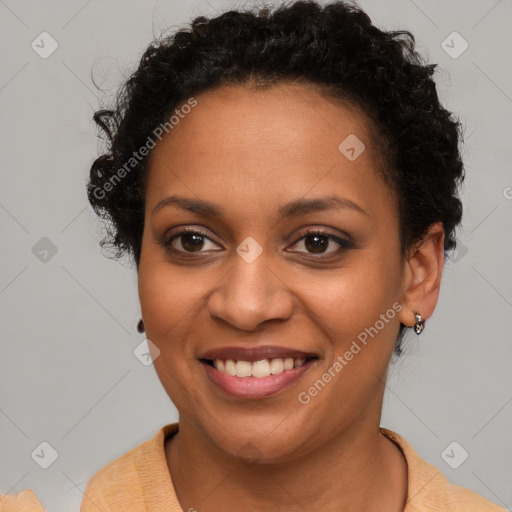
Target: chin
[(259, 443)]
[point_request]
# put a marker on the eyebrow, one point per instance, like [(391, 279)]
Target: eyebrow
[(292, 209)]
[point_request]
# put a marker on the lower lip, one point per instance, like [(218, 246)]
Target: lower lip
[(252, 387)]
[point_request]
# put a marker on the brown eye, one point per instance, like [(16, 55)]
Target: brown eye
[(187, 242), (192, 241), (317, 242)]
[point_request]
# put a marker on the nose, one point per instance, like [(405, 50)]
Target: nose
[(250, 294)]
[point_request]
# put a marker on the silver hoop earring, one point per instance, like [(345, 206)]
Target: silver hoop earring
[(420, 323)]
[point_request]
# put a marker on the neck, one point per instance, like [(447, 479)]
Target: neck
[(356, 469)]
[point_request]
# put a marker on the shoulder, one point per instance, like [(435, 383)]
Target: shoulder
[(116, 484), (460, 498), (124, 483), (25, 501), (429, 490)]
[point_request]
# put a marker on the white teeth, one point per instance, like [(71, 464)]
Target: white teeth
[(230, 368), (258, 369), (243, 368), (276, 366), (288, 363)]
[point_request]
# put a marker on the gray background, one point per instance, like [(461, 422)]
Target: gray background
[(68, 375)]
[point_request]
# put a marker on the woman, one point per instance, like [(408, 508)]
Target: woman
[(287, 184)]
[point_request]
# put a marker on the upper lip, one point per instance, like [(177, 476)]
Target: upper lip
[(255, 353)]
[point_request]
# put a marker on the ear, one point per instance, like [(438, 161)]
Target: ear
[(423, 270)]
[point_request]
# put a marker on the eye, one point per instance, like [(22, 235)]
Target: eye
[(317, 241), (190, 241)]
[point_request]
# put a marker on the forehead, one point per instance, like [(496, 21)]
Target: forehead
[(297, 113), (283, 140)]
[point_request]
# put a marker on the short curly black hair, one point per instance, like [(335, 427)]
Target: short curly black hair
[(334, 47)]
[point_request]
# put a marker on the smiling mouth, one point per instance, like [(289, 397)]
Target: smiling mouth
[(258, 369)]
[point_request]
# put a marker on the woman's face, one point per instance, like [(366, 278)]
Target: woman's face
[(254, 286)]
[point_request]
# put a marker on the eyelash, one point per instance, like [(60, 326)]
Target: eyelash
[(344, 244)]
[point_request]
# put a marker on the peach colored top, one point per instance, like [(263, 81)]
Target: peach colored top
[(139, 481)]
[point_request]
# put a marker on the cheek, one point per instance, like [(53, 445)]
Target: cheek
[(354, 297), (347, 310), (166, 297), (169, 305)]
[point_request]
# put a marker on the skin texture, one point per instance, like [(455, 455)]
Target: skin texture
[(250, 151)]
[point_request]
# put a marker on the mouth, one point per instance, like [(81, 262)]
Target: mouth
[(258, 373), (258, 369)]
